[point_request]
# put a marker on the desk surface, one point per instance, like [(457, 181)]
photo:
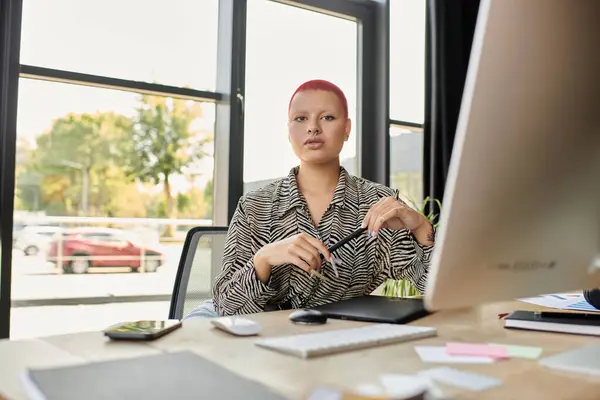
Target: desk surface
[(295, 378)]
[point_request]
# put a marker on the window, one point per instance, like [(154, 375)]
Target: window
[(406, 162), (407, 97), (172, 43), (86, 151), (95, 78), (91, 158), (407, 60), (280, 55)]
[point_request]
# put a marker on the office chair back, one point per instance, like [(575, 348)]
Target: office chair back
[(201, 261)]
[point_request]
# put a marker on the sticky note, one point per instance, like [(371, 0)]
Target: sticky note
[(476, 349), (528, 352), (438, 354), (461, 379)]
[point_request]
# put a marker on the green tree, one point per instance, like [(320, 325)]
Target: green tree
[(76, 164), (208, 199), (27, 180), (164, 141), (120, 197), (192, 204), (183, 202)]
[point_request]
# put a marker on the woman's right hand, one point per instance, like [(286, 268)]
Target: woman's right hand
[(301, 250)]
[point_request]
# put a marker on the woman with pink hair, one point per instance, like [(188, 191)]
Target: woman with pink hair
[(276, 253)]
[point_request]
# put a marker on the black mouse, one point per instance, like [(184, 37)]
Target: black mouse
[(308, 316)]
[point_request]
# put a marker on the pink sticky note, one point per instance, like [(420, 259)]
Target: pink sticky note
[(475, 349)]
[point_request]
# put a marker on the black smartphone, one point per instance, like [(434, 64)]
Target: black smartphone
[(142, 330)]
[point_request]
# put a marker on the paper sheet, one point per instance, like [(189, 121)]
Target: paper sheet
[(561, 301), (325, 393), (550, 301), (399, 386), (437, 354), (476, 349), (461, 379), (582, 306)]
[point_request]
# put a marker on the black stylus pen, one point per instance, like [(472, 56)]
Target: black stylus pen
[(345, 240)]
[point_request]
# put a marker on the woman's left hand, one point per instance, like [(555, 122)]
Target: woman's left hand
[(391, 213)]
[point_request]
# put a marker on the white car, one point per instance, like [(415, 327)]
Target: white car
[(35, 239)]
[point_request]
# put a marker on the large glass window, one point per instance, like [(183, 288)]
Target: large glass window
[(168, 42), (112, 172), (286, 46), (407, 97), (103, 178), (108, 182), (406, 162), (85, 151), (407, 60)]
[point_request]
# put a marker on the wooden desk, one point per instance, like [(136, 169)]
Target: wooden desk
[(295, 378)]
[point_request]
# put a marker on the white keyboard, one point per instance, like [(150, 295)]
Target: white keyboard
[(319, 343)]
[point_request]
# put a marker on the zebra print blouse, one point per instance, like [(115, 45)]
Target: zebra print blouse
[(279, 211)]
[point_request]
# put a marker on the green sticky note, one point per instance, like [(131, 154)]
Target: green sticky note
[(521, 351)]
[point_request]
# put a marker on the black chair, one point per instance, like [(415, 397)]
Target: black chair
[(201, 261)]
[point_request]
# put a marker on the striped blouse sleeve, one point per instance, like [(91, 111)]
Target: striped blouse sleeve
[(237, 289), (409, 259)]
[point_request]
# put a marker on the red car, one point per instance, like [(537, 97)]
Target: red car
[(83, 248)]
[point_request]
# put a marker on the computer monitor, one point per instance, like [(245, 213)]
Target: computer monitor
[(521, 208)]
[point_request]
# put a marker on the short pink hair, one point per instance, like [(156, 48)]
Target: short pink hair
[(326, 86)]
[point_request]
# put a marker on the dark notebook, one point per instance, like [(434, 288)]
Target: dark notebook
[(180, 375), (563, 322), (391, 310)]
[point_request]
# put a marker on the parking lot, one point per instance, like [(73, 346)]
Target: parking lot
[(47, 303), (33, 278), (47, 300)]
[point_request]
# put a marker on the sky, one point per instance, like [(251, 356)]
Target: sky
[(175, 43)]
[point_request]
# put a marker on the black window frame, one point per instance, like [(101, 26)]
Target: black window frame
[(10, 39)]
